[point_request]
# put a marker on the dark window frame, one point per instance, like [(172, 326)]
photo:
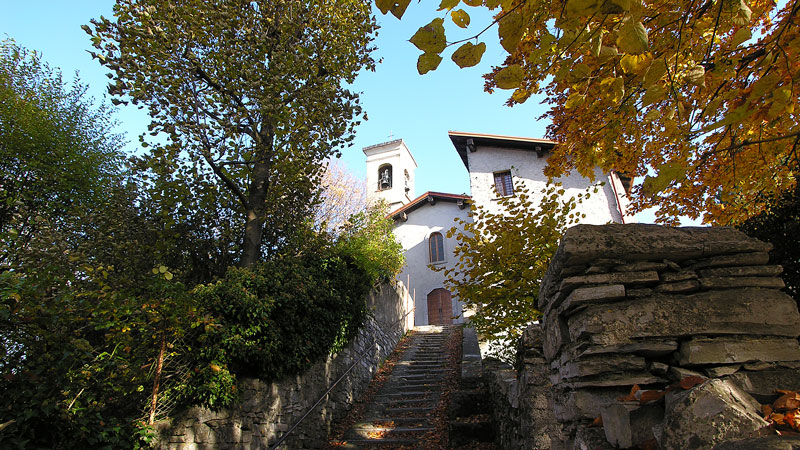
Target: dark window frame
[(504, 183), (436, 239)]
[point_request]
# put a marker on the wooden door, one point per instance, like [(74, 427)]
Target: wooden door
[(440, 307)]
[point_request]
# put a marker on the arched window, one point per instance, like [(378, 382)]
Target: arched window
[(436, 245), (385, 177)]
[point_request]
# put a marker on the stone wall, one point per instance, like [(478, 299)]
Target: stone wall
[(694, 317), (268, 410)]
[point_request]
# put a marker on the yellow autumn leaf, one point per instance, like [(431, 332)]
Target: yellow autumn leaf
[(510, 29), (468, 55), (430, 38), (581, 8), (428, 62), (509, 77), (632, 37), (448, 4), (162, 269), (740, 37), (473, 2), (397, 7), (667, 174), (636, 63), (696, 75), (654, 73), (460, 18), (653, 94), (574, 100)]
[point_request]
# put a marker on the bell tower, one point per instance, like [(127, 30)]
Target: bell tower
[(390, 173)]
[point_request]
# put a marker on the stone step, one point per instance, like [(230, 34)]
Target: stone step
[(405, 395), (381, 433), (371, 443), (409, 410)]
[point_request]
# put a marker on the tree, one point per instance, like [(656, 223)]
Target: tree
[(502, 258), (343, 195), (58, 152), (250, 95), (700, 96)]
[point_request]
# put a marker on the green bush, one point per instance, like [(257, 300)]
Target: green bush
[(276, 320)]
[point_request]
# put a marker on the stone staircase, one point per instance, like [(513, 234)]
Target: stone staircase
[(402, 412)]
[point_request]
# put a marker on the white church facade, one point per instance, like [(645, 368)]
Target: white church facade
[(497, 166)]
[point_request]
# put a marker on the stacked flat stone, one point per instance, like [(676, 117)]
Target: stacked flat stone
[(650, 305)]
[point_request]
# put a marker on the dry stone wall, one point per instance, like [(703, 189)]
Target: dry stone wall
[(646, 305), (268, 410)]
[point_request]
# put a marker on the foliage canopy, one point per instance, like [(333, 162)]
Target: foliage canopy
[(699, 96), (502, 258), (250, 94)]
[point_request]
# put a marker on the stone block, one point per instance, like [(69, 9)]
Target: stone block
[(556, 335), (710, 413), (762, 443), (679, 287), (618, 379), (683, 275), (740, 282), (729, 350), (595, 365), (585, 404), (590, 439), (676, 373), (763, 383), (722, 371), (625, 278), (739, 259), (649, 348), (748, 311), (626, 427), (641, 266), (658, 368), (595, 294), (743, 271)]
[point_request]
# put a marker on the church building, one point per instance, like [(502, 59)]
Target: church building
[(497, 166)]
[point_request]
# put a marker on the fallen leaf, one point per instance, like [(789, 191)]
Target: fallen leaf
[(787, 402), (651, 396), (597, 422)]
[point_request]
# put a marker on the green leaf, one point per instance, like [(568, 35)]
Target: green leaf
[(397, 7), (448, 4), (654, 73), (509, 77), (510, 30), (460, 18), (632, 37), (430, 38), (667, 174), (653, 94), (740, 37), (428, 62), (468, 55), (582, 8), (574, 100)]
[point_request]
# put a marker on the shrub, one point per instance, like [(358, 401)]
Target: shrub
[(276, 319)]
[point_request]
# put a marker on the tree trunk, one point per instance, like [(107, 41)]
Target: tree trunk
[(256, 199)]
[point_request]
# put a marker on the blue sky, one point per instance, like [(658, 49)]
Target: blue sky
[(399, 102)]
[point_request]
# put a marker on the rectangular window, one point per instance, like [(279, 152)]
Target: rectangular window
[(503, 184)]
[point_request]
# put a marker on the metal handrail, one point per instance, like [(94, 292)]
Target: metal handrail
[(330, 388)]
